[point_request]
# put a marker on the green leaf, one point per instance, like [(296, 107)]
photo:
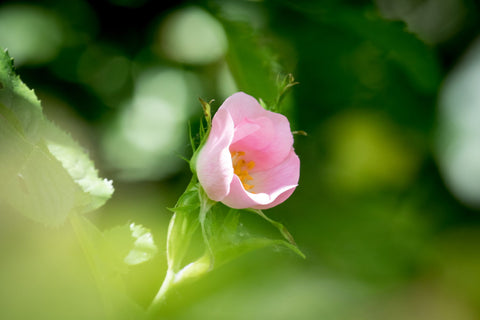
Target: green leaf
[(18, 98), (129, 245), (228, 252), (414, 58), (81, 169), (44, 174), (417, 59), (31, 180), (255, 68), (251, 64), (283, 230), (227, 238), (109, 255), (224, 236), (144, 247)]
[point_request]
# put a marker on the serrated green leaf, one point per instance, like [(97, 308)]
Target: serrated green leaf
[(44, 174), (31, 180), (18, 98), (11, 119), (224, 254), (227, 238), (79, 166), (283, 230), (144, 247)]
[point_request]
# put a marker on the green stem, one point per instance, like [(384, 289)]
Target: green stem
[(161, 295), (176, 248), (190, 210)]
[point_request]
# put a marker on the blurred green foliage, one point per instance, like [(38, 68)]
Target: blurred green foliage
[(384, 236)]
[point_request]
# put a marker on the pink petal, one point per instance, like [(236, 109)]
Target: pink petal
[(286, 173), (281, 180), (253, 134), (244, 129), (214, 162), (281, 198), (264, 137), (269, 145), (272, 187), (240, 106), (238, 198)]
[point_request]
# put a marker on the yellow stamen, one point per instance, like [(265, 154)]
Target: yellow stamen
[(241, 168)]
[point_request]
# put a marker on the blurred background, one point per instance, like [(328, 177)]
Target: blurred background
[(388, 206)]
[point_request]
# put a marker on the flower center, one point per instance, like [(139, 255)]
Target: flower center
[(241, 167)]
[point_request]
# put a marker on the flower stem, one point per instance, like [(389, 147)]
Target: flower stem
[(161, 295), (180, 230)]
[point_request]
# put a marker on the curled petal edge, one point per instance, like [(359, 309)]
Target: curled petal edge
[(214, 162)]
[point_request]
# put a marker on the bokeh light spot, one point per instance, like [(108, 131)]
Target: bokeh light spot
[(147, 135), (193, 36), (367, 152), (458, 139), (33, 35)]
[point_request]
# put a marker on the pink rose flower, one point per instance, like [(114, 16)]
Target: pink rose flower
[(248, 160)]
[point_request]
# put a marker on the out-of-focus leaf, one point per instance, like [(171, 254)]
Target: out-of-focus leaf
[(415, 58), (130, 244), (109, 253), (79, 166), (143, 248), (45, 174), (251, 64), (117, 248), (31, 180)]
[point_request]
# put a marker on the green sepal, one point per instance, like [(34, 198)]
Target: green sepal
[(204, 133), (224, 236), (284, 84), (182, 226)]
